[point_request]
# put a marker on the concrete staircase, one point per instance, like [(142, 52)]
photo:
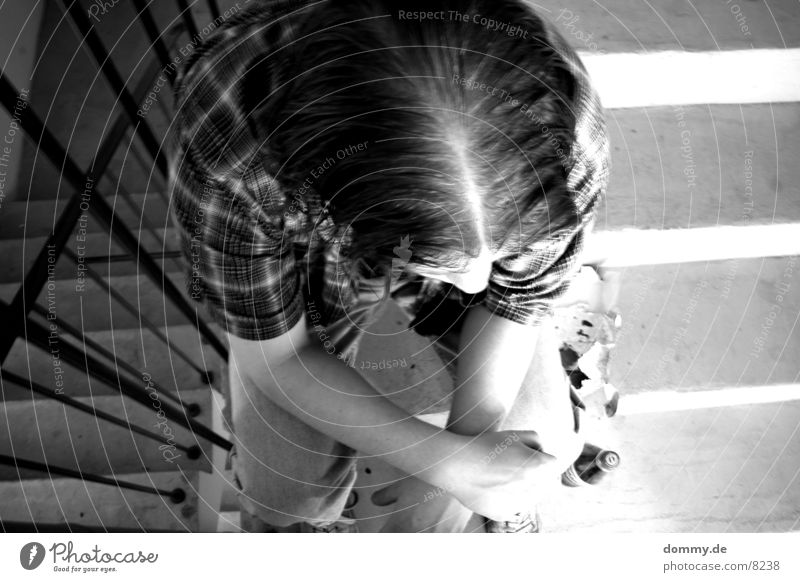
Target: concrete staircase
[(701, 220)]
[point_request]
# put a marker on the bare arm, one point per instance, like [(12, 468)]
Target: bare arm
[(495, 355), (300, 377), (324, 393)]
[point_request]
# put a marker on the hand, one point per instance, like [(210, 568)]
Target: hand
[(421, 507), (502, 474)]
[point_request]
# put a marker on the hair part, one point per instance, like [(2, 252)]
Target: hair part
[(445, 162)]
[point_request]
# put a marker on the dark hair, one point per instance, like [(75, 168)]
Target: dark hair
[(467, 127)]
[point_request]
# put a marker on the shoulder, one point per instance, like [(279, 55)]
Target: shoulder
[(590, 158), (213, 112)]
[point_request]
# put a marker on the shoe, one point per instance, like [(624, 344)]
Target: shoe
[(527, 523)]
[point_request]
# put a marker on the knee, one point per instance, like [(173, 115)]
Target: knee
[(282, 502), (289, 512)]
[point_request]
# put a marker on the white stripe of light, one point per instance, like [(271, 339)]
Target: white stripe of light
[(632, 247), (670, 401), (686, 78)]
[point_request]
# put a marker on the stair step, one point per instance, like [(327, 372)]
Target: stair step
[(36, 218), (667, 78), (706, 470), (621, 26), (20, 254), (719, 323), (634, 248), (731, 170), (696, 399), (84, 107), (48, 431), (74, 303), (58, 500), (139, 349), (698, 471)]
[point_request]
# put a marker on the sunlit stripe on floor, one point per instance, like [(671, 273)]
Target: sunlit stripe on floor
[(686, 78), (668, 401), (631, 247)]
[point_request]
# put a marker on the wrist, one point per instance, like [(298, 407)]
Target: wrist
[(452, 472), (477, 421)]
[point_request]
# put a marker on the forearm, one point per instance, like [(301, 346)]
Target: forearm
[(333, 398), (495, 355)]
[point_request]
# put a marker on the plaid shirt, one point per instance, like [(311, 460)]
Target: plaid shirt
[(261, 258)]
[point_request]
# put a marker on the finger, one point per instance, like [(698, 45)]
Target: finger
[(387, 495), (529, 438)]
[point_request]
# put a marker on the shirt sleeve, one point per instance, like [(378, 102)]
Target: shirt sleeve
[(240, 266), (524, 287)]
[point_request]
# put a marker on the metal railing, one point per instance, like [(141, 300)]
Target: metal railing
[(24, 318)]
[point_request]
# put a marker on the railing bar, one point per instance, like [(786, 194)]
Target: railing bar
[(58, 156), (176, 495), (125, 258), (214, 8), (149, 24), (37, 275), (42, 136), (81, 337), (130, 308), (119, 129), (186, 14), (103, 211), (69, 401), (67, 527), (121, 125), (35, 278), (37, 334), (97, 50)]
